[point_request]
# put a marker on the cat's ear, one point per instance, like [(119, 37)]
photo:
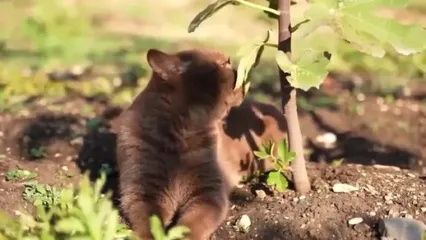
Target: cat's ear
[(163, 64)]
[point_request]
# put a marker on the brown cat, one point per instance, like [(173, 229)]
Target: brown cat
[(167, 143)]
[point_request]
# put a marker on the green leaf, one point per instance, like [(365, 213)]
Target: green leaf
[(337, 162), (260, 154), (93, 123), (359, 23), (282, 149), (177, 232), (278, 180), (156, 228), (112, 222), (309, 70), (207, 12), (70, 225), (290, 156), (250, 57), (268, 147)]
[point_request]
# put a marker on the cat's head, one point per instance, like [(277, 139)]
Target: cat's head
[(198, 81)]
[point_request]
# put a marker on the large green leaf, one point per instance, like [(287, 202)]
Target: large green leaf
[(278, 180), (156, 228), (359, 23), (207, 12), (308, 71), (250, 55)]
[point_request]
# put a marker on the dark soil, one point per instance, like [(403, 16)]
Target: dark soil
[(393, 135)]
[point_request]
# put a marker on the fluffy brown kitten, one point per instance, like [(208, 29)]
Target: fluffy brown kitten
[(167, 143), (242, 131)]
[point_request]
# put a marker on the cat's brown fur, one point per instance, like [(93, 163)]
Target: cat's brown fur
[(167, 143)]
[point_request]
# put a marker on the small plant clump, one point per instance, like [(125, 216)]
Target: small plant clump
[(41, 194), (281, 159), (19, 175), (39, 152), (75, 213)]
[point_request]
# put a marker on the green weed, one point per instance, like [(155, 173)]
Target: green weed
[(337, 162), (83, 212), (19, 175), (281, 159), (38, 152), (41, 194)]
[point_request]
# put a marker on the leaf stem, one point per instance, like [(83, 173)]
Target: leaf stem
[(253, 5), (271, 45)]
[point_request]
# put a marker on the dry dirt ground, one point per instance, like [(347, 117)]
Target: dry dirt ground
[(381, 134)]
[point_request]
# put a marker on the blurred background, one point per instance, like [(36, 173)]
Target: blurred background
[(87, 59)]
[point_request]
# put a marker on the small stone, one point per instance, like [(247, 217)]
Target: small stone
[(372, 213), (327, 139), (344, 188), (408, 216), (371, 190), (77, 141), (378, 166), (57, 155), (261, 194), (64, 168), (388, 197), (411, 175), (77, 70), (394, 211), (69, 158), (361, 228), (354, 221), (302, 197), (423, 209), (360, 97), (243, 224), (384, 108)]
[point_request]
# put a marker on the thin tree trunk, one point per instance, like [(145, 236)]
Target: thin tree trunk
[(288, 101)]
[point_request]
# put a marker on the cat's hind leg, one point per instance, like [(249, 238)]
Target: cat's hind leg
[(204, 214)]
